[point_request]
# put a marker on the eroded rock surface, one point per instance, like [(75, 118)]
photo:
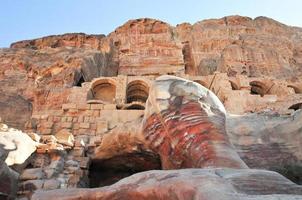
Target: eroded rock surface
[(192, 136), (269, 141)]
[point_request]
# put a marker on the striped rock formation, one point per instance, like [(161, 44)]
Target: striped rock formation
[(185, 124)]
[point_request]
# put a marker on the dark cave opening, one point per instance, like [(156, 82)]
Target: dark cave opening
[(109, 171), (296, 106), (80, 81), (292, 172)]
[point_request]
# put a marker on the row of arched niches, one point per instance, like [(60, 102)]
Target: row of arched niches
[(131, 93)]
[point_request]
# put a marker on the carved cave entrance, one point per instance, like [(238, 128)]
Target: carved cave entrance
[(109, 171)]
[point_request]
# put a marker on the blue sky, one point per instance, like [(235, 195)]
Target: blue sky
[(28, 19)]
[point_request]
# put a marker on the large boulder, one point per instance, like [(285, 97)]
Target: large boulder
[(184, 123), (19, 145), (183, 184)]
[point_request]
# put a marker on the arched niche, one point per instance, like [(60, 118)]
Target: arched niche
[(103, 90), (137, 91), (258, 88)]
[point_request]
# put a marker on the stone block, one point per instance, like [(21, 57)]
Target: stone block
[(91, 132), (95, 140), (48, 139), (93, 126), (32, 174), (110, 107), (88, 113), (50, 118), (91, 119), (49, 148), (75, 119), (84, 162), (72, 163), (65, 137), (73, 181), (76, 126), (96, 113), (63, 119), (69, 119), (69, 106), (101, 126), (81, 140), (57, 165), (66, 125), (50, 173), (83, 106), (97, 106), (51, 184), (40, 160), (85, 125), (81, 118), (56, 119), (44, 117), (78, 151), (72, 112), (45, 131), (31, 185), (75, 132), (56, 112), (83, 131), (46, 124), (86, 119)]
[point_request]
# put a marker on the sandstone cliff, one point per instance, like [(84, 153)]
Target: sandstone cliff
[(233, 44), (99, 112)]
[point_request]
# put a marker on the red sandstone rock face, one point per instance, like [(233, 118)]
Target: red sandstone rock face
[(269, 141), (79, 40), (241, 45), (35, 79), (234, 44), (148, 46)]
